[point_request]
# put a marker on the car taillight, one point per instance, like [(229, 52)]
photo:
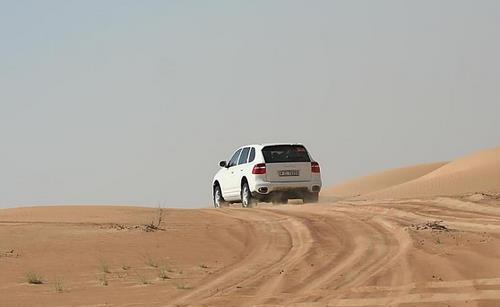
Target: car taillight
[(259, 169), (315, 167)]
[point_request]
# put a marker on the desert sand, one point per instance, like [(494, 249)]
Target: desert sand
[(380, 181), (475, 173), (419, 236)]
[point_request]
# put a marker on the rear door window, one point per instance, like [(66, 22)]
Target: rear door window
[(285, 153), (244, 155), (234, 159), (251, 156)]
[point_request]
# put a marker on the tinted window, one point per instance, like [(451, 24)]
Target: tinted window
[(251, 157), (234, 159), (285, 153), (244, 155)]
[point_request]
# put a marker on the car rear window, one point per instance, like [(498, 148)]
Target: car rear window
[(285, 153)]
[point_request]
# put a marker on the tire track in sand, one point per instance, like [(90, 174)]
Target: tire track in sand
[(361, 256), (362, 248), (273, 241)]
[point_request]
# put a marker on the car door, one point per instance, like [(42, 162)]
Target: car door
[(231, 192), (239, 170)]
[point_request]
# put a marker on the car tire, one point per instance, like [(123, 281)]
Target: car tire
[(311, 198), (218, 198), (247, 200)]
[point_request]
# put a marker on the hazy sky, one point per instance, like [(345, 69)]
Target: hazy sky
[(137, 101)]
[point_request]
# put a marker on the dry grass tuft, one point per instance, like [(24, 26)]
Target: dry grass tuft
[(163, 273), (183, 287), (103, 266), (58, 285), (150, 261), (103, 279), (143, 279), (34, 278), (155, 224)]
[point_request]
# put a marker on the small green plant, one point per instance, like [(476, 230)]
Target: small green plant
[(103, 266), (103, 279), (163, 273), (58, 285), (34, 278)]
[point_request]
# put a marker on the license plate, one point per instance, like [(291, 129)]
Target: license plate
[(287, 173)]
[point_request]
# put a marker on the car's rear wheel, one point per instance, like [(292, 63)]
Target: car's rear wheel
[(218, 198), (311, 197), (247, 201)]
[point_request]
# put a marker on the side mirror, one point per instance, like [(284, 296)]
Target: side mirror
[(222, 163)]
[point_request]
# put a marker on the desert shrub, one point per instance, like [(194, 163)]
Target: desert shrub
[(34, 278)]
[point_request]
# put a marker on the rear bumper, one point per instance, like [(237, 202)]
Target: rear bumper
[(288, 194), (297, 189)]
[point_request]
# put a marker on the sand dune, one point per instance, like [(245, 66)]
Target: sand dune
[(380, 180), (479, 172), (476, 173)]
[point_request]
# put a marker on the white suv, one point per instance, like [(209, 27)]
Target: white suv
[(270, 172)]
